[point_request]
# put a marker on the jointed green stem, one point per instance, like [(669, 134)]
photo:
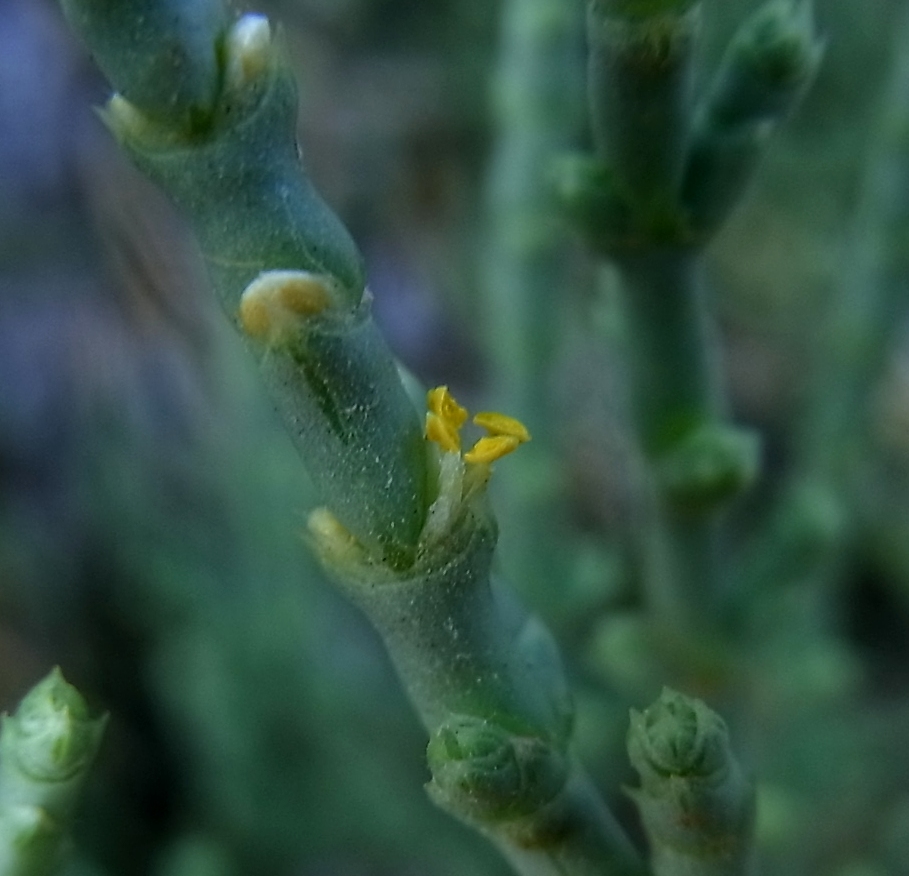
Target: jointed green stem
[(406, 532), (675, 376), (667, 174), (672, 345)]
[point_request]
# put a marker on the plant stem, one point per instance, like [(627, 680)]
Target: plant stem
[(536, 111), (675, 378), (592, 843), (407, 533), (672, 346), (666, 174)]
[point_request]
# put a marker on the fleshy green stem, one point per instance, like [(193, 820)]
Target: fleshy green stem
[(640, 98), (675, 394), (282, 265), (406, 533), (486, 679), (672, 345), (664, 177), (640, 78)]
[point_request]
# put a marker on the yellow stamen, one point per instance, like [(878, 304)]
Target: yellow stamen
[(255, 317), (441, 431), (446, 417), (442, 403), (501, 424), (492, 448)]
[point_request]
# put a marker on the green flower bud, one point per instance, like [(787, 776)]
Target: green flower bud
[(587, 192), (768, 68), (709, 466), (696, 805), (46, 748), (769, 65), (47, 745), (677, 736), (483, 772)]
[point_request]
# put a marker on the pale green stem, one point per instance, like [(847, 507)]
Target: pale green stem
[(536, 112), (407, 533), (672, 346), (675, 377), (667, 177), (640, 97), (640, 83), (592, 843), (486, 680)]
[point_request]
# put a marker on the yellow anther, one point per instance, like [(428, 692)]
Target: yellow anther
[(248, 49), (446, 417), (332, 538), (325, 526), (501, 424), (272, 305), (304, 294), (442, 403), (442, 433), (492, 448), (255, 317)]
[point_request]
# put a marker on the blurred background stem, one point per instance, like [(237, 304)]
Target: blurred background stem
[(675, 377), (641, 102), (537, 110)]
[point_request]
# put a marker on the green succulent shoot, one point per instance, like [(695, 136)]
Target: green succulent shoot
[(696, 804), (766, 72), (46, 749)]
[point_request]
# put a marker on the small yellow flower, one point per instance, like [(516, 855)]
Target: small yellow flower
[(446, 417)]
